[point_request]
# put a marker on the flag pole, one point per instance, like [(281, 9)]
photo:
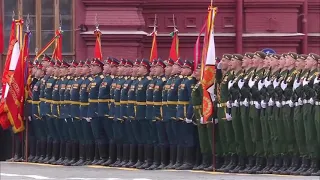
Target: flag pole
[(27, 119)]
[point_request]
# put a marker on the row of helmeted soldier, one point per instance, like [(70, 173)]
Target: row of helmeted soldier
[(148, 115)]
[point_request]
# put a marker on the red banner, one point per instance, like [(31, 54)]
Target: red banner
[(174, 51), (154, 48), (57, 53), (97, 48)]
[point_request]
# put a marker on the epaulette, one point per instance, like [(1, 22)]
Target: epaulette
[(68, 77), (54, 77), (149, 78), (190, 77), (180, 76), (126, 77), (139, 78), (90, 79), (163, 79), (112, 76), (132, 78), (101, 76)]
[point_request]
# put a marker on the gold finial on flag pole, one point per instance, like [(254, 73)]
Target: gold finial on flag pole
[(13, 14)]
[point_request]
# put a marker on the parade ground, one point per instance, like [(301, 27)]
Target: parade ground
[(29, 171)]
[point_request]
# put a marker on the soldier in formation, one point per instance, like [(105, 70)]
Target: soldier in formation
[(148, 115)]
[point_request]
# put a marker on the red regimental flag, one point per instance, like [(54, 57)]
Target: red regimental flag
[(174, 50), (57, 53), (97, 48), (154, 48)]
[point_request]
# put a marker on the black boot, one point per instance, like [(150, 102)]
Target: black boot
[(206, 159), (96, 154), (314, 168), (250, 165), (270, 163), (216, 165), (198, 159), (226, 162), (148, 161), (241, 165), (17, 150), (233, 163), (90, 153), (68, 155), (74, 154), (173, 157), (164, 157), (112, 155), (304, 166), (119, 156), (276, 166), (126, 155), (32, 149), (133, 156), (38, 151), (179, 161), (188, 156), (295, 164), (55, 152), (156, 158), (46, 151), (260, 164), (103, 152), (82, 156), (285, 165), (62, 153), (140, 156)]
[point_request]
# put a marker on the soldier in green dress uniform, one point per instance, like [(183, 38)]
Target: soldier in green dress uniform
[(309, 112), (226, 133), (234, 90)]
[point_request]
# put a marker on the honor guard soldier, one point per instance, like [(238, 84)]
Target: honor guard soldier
[(152, 138), (48, 111), (234, 91), (75, 112), (141, 99), (309, 113), (72, 151), (128, 139), (36, 117), (171, 110), (118, 126), (166, 116), (96, 122), (186, 129), (161, 161), (110, 71), (84, 106), (131, 113), (226, 133)]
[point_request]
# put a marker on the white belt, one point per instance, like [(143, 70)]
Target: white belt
[(251, 102), (305, 101), (317, 103)]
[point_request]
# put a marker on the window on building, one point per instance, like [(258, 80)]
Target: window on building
[(45, 18)]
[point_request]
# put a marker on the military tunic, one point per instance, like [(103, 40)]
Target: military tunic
[(153, 135), (49, 88), (131, 110), (118, 126), (66, 108)]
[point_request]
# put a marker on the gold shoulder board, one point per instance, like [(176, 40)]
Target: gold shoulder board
[(149, 78), (190, 77), (164, 79), (180, 76), (90, 78), (102, 76)]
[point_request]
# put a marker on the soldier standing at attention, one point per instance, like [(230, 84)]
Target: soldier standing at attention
[(128, 139), (162, 161), (96, 122), (186, 129), (166, 118), (141, 98), (309, 113), (152, 139), (73, 148), (75, 113), (105, 102), (226, 133), (234, 90), (50, 88), (118, 126), (84, 105), (172, 104)]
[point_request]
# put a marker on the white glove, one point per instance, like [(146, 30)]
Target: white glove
[(316, 80), (284, 85), (246, 102), (275, 83), (29, 118), (229, 105), (201, 120), (257, 105), (251, 82), (260, 84), (219, 66), (300, 102), (271, 102), (216, 121), (235, 103), (290, 103), (230, 84), (228, 117), (65, 120), (267, 82), (296, 84), (188, 121), (278, 104), (305, 82), (240, 83), (263, 104), (311, 101), (88, 119)]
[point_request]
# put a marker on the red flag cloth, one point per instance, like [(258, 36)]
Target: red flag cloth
[(5, 77), (15, 100), (154, 48), (97, 48), (174, 51), (1, 36), (57, 53), (197, 54)]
